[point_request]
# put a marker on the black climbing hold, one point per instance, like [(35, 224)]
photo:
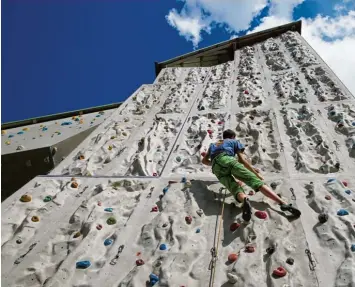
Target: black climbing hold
[(290, 261), (270, 250), (323, 217), (337, 165), (18, 241), (273, 185)]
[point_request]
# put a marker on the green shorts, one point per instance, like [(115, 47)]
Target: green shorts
[(225, 167)]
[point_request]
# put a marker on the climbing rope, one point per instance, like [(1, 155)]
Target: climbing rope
[(214, 250)]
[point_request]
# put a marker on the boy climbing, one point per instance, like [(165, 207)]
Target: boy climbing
[(221, 156)]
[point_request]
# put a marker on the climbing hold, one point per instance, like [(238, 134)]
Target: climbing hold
[(108, 242), (203, 154), (353, 124), (232, 257), (188, 184), (273, 185), (99, 227), (18, 241), (10, 136), (3, 132), (232, 278), (74, 184), (199, 212), (35, 218), (139, 262), (155, 174), (183, 180), (260, 214), (164, 225), (20, 133), (323, 217), (252, 192), (26, 198), (81, 157), (98, 116), (172, 182), (47, 198), (348, 191), (290, 261), (246, 92), (249, 249), (331, 180), (113, 137), (178, 158), (155, 209), (328, 197), (77, 234), (234, 226), (66, 123), (82, 264), (270, 250), (220, 123), (345, 183), (7, 142), (20, 147), (279, 272), (209, 132), (342, 212), (153, 279), (108, 209), (99, 203), (353, 247), (124, 134), (110, 147), (188, 219), (198, 230), (163, 247), (111, 220), (44, 129), (165, 190)]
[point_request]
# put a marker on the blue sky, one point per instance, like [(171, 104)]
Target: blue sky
[(66, 55)]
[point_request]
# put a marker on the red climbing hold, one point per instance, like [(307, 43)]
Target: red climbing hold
[(188, 219), (246, 92), (234, 226), (155, 209), (220, 123), (345, 183), (99, 227), (155, 174), (139, 262), (232, 257), (203, 154), (249, 249), (209, 132), (252, 192), (279, 272), (261, 214), (328, 197)]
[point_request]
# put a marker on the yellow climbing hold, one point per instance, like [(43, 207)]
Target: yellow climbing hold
[(41, 126), (110, 147), (25, 129), (26, 198), (76, 235), (3, 132), (8, 142), (35, 218), (81, 122)]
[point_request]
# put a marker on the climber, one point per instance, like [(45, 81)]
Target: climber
[(221, 156)]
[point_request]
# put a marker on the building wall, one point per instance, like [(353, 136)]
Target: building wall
[(296, 120)]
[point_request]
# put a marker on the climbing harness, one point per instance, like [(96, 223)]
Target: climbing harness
[(115, 259), (312, 263), (214, 250), (336, 145), (293, 197), (19, 260)]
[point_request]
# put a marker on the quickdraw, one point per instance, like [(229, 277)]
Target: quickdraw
[(115, 259)]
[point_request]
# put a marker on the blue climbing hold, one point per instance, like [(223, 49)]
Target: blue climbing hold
[(83, 264), (353, 247), (108, 242), (20, 133), (331, 180), (98, 116), (332, 113), (353, 124), (10, 136), (198, 230), (66, 123), (163, 247), (183, 180), (348, 191), (342, 212), (153, 279), (108, 209), (44, 129), (165, 190), (77, 119)]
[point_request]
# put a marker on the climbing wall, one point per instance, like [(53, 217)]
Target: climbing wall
[(133, 205)]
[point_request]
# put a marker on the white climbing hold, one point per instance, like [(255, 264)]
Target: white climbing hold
[(20, 147), (199, 212), (232, 278)]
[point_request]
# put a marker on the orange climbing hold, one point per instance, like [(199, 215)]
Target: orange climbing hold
[(81, 157), (25, 198), (232, 257), (25, 129), (74, 184), (35, 218)]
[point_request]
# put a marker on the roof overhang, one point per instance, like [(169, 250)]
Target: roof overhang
[(224, 51)]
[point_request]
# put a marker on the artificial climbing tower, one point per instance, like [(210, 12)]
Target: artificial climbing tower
[(132, 205)]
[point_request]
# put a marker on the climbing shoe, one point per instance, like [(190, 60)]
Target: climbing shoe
[(246, 210), (291, 209)]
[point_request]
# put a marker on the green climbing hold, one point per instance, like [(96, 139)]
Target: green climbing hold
[(111, 220), (47, 198)]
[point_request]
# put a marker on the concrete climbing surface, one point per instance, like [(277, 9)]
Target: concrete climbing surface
[(142, 210)]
